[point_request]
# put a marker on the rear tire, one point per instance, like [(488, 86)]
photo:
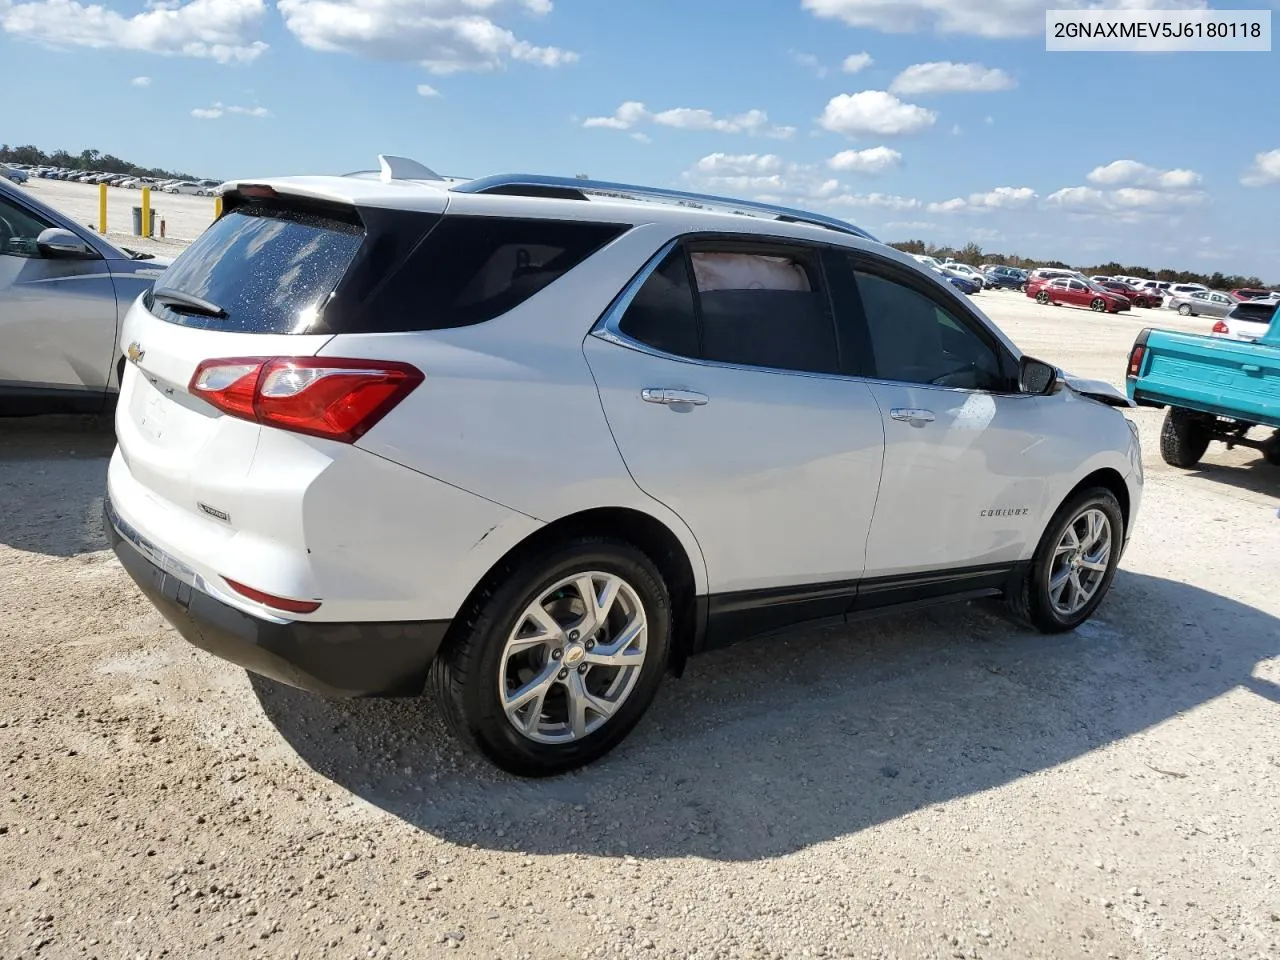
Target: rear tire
[(1184, 311), (489, 658), (1184, 438), (1042, 297), (1098, 305), (1271, 449), (1047, 598)]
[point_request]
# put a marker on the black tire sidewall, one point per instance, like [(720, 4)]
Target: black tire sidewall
[(1043, 616), (481, 706)]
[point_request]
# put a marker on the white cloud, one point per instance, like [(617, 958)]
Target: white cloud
[(989, 121), (220, 30), (986, 18), (871, 160), (426, 90), (874, 112), (1265, 170), (624, 118), (1001, 198), (947, 77), (219, 109), (754, 123), (445, 36), (639, 137), (1132, 173), (1130, 204), (912, 224), (856, 62), (886, 201), (141, 81), (756, 163), (809, 62)]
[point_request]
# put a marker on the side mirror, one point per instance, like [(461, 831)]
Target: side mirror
[(58, 243), (1036, 377)]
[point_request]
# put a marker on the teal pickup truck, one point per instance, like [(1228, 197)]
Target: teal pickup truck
[(1215, 388)]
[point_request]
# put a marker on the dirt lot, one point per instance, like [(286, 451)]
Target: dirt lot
[(185, 217), (934, 785)]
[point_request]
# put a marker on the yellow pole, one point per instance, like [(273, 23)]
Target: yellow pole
[(102, 208), (217, 207), (146, 211)]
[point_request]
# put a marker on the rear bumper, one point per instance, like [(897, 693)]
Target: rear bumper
[(331, 659)]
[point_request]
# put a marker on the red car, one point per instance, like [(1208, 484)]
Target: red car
[(1248, 294), (1137, 296), (1077, 293)]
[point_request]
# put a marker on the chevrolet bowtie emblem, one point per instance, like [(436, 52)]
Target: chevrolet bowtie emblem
[(135, 352)]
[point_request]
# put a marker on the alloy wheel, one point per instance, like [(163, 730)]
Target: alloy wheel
[(573, 657), (1080, 561)]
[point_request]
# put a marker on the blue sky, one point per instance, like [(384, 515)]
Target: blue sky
[(942, 120)]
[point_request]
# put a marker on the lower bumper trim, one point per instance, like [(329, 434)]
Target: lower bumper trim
[(331, 659)]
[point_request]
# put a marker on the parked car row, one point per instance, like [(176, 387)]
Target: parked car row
[(199, 188)]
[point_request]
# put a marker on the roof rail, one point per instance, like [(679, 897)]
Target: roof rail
[(572, 188)]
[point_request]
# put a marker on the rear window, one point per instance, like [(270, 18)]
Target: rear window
[(270, 270), (1253, 312), (282, 270)]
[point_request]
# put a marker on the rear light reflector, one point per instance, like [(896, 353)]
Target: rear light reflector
[(1135, 359), (270, 600), (1221, 327), (330, 397)]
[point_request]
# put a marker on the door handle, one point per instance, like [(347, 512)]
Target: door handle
[(670, 397), (912, 416)]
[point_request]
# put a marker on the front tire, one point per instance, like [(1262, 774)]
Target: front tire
[(558, 658), (1074, 565), (1184, 438)]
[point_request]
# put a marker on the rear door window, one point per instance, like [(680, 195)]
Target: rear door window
[(268, 270)]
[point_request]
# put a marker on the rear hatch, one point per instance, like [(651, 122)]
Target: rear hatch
[(274, 277)]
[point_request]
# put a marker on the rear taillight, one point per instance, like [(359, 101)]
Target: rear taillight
[(1135, 359), (1221, 327), (337, 399), (271, 600)]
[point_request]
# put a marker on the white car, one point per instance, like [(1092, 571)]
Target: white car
[(1177, 291), (528, 443), (966, 271), (1248, 320)]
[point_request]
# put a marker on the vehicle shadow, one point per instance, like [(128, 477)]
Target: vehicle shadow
[(778, 744), (1256, 476), (64, 453)]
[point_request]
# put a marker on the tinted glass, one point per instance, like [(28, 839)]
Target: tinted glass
[(915, 340), (1254, 312), (765, 308), (270, 270), (662, 312), (472, 269), (18, 230)]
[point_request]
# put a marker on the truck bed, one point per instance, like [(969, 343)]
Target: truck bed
[(1236, 379)]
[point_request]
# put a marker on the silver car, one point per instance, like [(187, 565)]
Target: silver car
[(1202, 303), (63, 292)]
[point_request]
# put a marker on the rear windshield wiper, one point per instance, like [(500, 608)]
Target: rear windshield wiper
[(186, 302)]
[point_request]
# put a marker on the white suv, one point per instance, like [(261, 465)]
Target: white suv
[(529, 443)]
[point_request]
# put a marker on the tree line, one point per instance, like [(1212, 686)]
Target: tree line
[(974, 255), (84, 160)]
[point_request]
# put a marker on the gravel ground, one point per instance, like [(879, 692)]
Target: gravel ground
[(934, 785)]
